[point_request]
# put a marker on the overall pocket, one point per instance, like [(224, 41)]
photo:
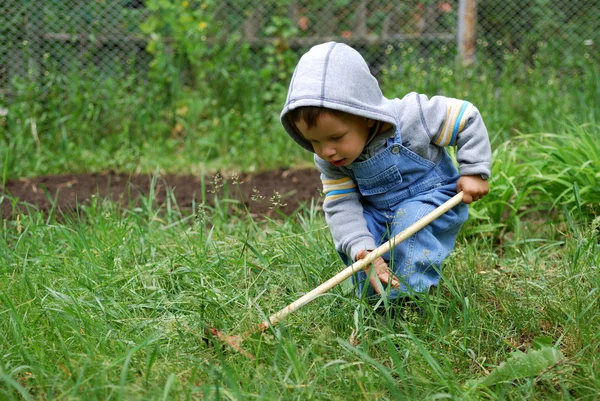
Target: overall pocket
[(379, 183)]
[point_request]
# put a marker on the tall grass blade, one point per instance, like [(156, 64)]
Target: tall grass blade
[(12, 383)]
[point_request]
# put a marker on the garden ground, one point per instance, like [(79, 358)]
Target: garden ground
[(262, 194)]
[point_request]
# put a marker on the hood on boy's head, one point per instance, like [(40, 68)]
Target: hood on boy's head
[(335, 76)]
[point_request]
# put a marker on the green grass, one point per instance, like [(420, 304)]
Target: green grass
[(136, 126), (112, 303)]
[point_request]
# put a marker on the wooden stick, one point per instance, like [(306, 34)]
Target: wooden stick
[(362, 263)]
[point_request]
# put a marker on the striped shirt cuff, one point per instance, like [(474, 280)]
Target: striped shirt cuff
[(336, 189)]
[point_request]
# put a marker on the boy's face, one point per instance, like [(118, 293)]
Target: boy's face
[(338, 139)]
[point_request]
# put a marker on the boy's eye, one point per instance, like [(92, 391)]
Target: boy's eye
[(337, 137)]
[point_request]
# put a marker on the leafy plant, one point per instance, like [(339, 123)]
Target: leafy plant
[(520, 365), (564, 165)]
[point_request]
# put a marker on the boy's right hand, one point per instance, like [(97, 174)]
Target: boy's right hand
[(380, 272), (473, 187)]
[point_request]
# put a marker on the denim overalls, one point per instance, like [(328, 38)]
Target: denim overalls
[(398, 188)]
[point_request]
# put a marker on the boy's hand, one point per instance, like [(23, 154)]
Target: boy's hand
[(473, 186), (381, 272)]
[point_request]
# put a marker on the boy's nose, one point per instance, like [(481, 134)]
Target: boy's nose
[(328, 151)]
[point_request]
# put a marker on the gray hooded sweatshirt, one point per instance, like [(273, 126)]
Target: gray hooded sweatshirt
[(335, 76)]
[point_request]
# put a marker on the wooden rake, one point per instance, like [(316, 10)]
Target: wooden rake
[(236, 341)]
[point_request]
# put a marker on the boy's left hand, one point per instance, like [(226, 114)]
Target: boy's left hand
[(473, 186), (381, 273)]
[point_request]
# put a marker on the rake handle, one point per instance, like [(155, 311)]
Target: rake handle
[(362, 263)]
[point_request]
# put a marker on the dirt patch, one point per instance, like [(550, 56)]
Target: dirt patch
[(287, 190)]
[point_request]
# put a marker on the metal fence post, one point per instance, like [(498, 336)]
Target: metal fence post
[(467, 21)]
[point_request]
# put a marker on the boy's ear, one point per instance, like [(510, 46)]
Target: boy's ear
[(370, 122)]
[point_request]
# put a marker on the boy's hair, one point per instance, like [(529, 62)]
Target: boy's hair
[(311, 114)]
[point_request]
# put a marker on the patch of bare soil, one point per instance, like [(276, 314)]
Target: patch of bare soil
[(287, 190)]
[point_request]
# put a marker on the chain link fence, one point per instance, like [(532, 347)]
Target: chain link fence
[(39, 38), (107, 37)]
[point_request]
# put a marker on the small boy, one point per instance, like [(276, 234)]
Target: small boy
[(383, 165)]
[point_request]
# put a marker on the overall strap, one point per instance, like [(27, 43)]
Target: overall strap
[(397, 139)]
